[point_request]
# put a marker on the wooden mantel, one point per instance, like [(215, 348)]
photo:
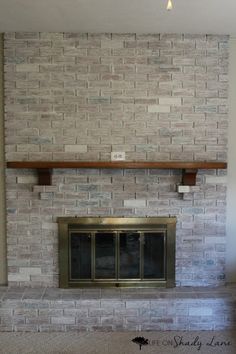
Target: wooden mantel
[(189, 169)]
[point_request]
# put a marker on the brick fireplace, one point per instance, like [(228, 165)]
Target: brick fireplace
[(78, 96)]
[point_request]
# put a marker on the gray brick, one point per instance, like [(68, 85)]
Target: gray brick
[(63, 320), (80, 96)]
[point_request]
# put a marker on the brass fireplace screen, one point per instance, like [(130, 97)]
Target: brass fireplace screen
[(134, 252)]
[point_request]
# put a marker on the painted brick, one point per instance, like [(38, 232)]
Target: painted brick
[(76, 148), (27, 179), (155, 96), (158, 109), (135, 203), (63, 320), (172, 101), (31, 271), (18, 277), (27, 68), (216, 179), (200, 311)]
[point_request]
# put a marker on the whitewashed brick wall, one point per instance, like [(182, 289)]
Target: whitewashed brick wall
[(76, 96)]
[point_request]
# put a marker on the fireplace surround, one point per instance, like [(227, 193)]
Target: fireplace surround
[(79, 97), (103, 252)]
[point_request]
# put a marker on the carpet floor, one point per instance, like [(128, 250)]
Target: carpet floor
[(205, 342)]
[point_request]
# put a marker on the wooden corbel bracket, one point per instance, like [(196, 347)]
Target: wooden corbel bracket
[(44, 176), (189, 176)]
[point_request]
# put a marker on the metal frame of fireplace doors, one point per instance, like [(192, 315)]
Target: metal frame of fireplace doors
[(138, 224)]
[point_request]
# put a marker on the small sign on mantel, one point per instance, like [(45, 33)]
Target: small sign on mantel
[(118, 156)]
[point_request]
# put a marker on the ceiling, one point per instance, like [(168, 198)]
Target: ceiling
[(140, 16)]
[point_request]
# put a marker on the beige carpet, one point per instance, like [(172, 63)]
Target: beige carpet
[(119, 343)]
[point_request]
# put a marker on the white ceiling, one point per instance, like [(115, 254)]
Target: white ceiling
[(141, 16)]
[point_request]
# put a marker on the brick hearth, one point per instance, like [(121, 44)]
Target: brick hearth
[(49, 309)]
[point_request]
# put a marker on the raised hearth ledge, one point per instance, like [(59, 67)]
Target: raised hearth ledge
[(189, 169), (54, 309)]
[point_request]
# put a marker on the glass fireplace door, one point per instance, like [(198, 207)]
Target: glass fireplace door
[(129, 255), (105, 255), (154, 255), (80, 255), (114, 256)]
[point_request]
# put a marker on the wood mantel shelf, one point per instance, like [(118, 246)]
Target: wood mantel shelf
[(189, 169)]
